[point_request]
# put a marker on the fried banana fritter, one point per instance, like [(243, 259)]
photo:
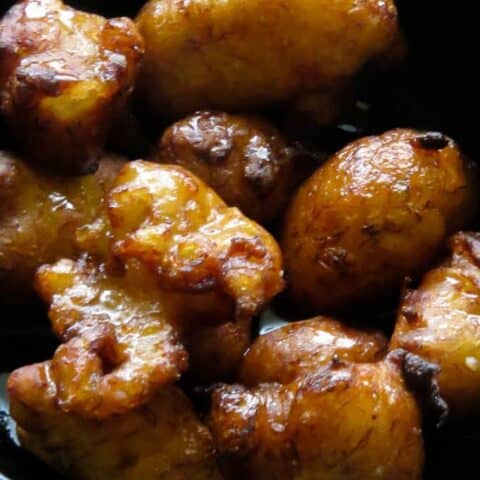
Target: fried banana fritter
[(180, 229), (439, 321), (165, 260), (244, 159), (120, 343), (345, 421), (39, 215), (235, 55), (160, 440), (379, 210), (64, 75), (301, 347)]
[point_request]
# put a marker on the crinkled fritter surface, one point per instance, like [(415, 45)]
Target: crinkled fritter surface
[(64, 75), (39, 216), (160, 440), (120, 344), (303, 347), (377, 211), (439, 321), (235, 55), (168, 263), (176, 226), (346, 421), (244, 159)]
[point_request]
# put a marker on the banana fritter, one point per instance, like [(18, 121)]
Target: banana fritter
[(160, 440), (379, 210), (439, 321), (180, 229), (301, 347), (120, 343), (64, 76), (39, 215), (243, 158), (345, 421), (236, 55), (182, 261)]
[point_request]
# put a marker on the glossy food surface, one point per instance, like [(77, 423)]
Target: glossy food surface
[(243, 158), (302, 347), (162, 439), (237, 54), (64, 75), (439, 321), (176, 226), (39, 215), (377, 211), (346, 421)]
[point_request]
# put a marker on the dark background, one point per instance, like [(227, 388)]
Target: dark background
[(436, 89)]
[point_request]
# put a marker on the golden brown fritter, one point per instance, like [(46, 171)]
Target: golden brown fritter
[(120, 343), (439, 321), (244, 159), (377, 211), (64, 75), (39, 215), (182, 264), (237, 55), (161, 440), (177, 227), (345, 421), (298, 348)]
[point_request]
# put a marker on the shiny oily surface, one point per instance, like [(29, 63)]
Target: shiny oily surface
[(64, 75), (439, 320), (119, 342), (226, 55), (39, 215), (303, 347), (181, 230), (377, 211), (244, 159), (163, 439), (346, 421)]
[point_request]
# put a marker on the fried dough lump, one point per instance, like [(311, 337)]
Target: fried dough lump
[(344, 421), (439, 321), (168, 260), (244, 159), (377, 211), (64, 75), (237, 55), (298, 348), (162, 439), (181, 230), (39, 215)]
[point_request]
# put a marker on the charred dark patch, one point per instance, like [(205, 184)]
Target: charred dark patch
[(421, 377), (431, 141)]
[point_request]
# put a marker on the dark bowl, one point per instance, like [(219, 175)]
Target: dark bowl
[(435, 89)]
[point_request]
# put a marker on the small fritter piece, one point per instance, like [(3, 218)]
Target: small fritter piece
[(161, 440), (345, 421), (235, 55), (120, 343), (216, 352), (39, 215), (64, 75), (439, 321), (244, 159), (302, 347), (379, 210), (181, 230)]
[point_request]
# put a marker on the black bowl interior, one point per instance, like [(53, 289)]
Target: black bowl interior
[(435, 89)]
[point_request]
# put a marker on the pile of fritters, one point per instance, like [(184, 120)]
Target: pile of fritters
[(155, 271)]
